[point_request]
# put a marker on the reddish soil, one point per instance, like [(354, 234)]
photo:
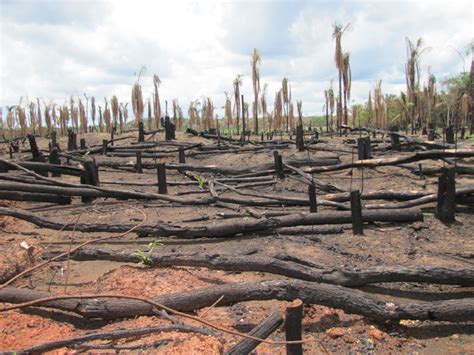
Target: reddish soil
[(423, 243)]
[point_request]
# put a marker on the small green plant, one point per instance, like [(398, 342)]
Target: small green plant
[(143, 254), (201, 181)]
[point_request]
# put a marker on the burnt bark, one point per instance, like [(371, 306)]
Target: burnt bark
[(430, 154), (286, 266), (262, 331), (350, 300), (227, 229)]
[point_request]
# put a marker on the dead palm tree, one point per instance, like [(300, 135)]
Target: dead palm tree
[(137, 98), (114, 104), (326, 107), (228, 111), (74, 115), (338, 31), (237, 84), (286, 101), (370, 110), (331, 105), (278, 110), (125, 115), (299, 107), (101, 120), (107, 117), (93, 111), (82, 117), (32, 111), (149, 120), (39, 117), (291, 113), (412, 75), (430, 98), (263, 104), (380, 109), (256, 86), (156, 101), (465, 108)]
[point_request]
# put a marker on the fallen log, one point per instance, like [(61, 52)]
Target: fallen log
[(351, 277), (35, 197), (378, 195), (96, 192), (415, 169), (310, 180), (323, 161), (262, 331), (274, 199), (227, 229), (113, 335), (44, 167), (350, 300), (460, 193), (372, 163)]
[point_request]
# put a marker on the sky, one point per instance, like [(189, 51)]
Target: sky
[(53, 49)]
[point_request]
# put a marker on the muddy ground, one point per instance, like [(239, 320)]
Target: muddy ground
[(423, 243)]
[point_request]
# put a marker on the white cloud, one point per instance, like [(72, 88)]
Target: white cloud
[(54, 49)]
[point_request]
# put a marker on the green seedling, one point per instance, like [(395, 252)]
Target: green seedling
[(201, 181), (143, 255)]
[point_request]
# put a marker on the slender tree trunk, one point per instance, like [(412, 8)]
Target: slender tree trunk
[(339, 102), (327, 116), (345, 108), (471, 111)]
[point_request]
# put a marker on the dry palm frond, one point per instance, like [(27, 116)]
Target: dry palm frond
[(21, 116), (370, 111), (32, 111), (210, 113), (299, 107), (177, 115), (137, 98), (380, 109), (74, 114), (114, 105), (107, 116), (93, 111), (82, 117), (124, 110), (331, 105), (47, 116), (228, 110), (278, 110), (137, 102), (11, 118), (256, 86)]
